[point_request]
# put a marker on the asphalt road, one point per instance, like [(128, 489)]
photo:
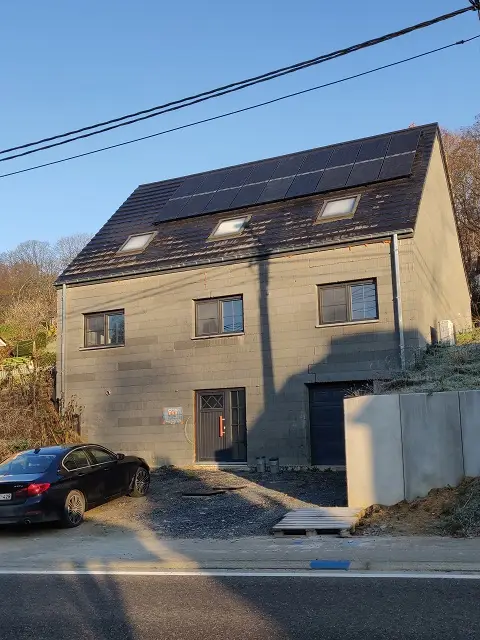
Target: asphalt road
[(234, 608)]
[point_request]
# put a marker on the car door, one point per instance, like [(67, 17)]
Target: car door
[(106, 462), (79, 474)]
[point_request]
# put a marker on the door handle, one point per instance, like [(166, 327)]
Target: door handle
[(221, 426)]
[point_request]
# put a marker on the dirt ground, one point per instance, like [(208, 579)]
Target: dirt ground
[(447, 511), (250, 504)]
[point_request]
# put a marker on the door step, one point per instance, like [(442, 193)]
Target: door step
[(223, 466), (317, 521)]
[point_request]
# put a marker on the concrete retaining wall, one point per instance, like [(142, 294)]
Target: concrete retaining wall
[(401, 446), (374, 450), (470, 412)]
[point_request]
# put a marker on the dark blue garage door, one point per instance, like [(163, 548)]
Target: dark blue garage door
[(327, 426)]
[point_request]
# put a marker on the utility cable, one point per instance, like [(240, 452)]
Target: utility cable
[(229, 88), (244, 109)]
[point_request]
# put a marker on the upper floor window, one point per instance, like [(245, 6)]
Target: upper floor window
[(219, 316), (338, 208), (229, 228), (137, 243), (348, 302), (105, 329)]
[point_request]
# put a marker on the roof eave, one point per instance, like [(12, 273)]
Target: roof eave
[(136, 273)]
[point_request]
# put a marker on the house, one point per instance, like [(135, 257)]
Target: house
[(225, 315)]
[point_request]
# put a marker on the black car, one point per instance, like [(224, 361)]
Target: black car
[(62, 482)]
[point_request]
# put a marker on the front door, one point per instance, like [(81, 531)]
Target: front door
[(221, 426)]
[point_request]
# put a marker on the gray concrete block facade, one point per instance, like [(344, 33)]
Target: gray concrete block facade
[(282, 349), (123, 390)]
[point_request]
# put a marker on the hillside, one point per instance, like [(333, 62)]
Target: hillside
[(440, 368)]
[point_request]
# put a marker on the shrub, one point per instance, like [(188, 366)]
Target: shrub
[(28, 413)]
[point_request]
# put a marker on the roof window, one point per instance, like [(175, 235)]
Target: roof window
[(338, 209), (136, 243), (229, 228)]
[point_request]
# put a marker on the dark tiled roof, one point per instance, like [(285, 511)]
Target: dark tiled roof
[(287, 225)]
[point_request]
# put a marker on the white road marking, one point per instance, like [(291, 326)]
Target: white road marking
[(244, 574)]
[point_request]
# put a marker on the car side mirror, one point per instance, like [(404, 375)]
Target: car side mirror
[(120, 456)]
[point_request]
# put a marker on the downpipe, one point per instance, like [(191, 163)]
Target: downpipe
[(62, 347), (398, 299)]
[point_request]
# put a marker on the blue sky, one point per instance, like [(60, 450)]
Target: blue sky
[(65, 64)]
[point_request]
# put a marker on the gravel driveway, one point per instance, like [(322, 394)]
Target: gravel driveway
[(250, 504)]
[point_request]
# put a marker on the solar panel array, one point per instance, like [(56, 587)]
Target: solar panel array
[(301, 174)]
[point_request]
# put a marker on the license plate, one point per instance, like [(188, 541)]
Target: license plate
[(5, 496)]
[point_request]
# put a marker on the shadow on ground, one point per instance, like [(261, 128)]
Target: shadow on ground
[(181, 505)]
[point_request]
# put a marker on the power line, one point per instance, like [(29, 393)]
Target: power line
[(229, 88), (244, 109)]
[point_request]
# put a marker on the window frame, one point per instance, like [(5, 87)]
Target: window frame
[(226, 236), (89, 456), (89, 452), (87, 466), (220, 316), (130, 252), (348, 287), (105, 314), (340, 216)]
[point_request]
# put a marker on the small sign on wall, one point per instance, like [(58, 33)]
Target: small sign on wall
[(172, 415)]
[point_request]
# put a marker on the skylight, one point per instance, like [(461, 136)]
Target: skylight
[(136, 243), (228, 228), (339, 208)]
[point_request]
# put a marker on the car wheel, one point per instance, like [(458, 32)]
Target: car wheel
[(73, 510), (140, 483)]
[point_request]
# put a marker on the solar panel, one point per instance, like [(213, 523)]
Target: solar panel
[(304, 184), (214, 181), (171, 210), (397, 166), (364, 172), (372, 149), (289, 166), (237, 177), (263, 171), (248, 194), (346, 154), (334, 178), (275, 190), (316, 160), (297, 175), (221, 200), (194, 205), (189, 186), (404, 142)]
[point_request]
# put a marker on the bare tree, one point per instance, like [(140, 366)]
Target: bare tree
[(27, 274), (462, 150), (39, 255), (68, 247)]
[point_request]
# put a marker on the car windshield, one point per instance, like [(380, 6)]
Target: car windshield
[(27, 463)]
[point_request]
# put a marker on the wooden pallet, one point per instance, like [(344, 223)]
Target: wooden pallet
[(317, 521)]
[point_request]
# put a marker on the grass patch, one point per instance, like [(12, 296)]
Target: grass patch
[(438, 368)]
